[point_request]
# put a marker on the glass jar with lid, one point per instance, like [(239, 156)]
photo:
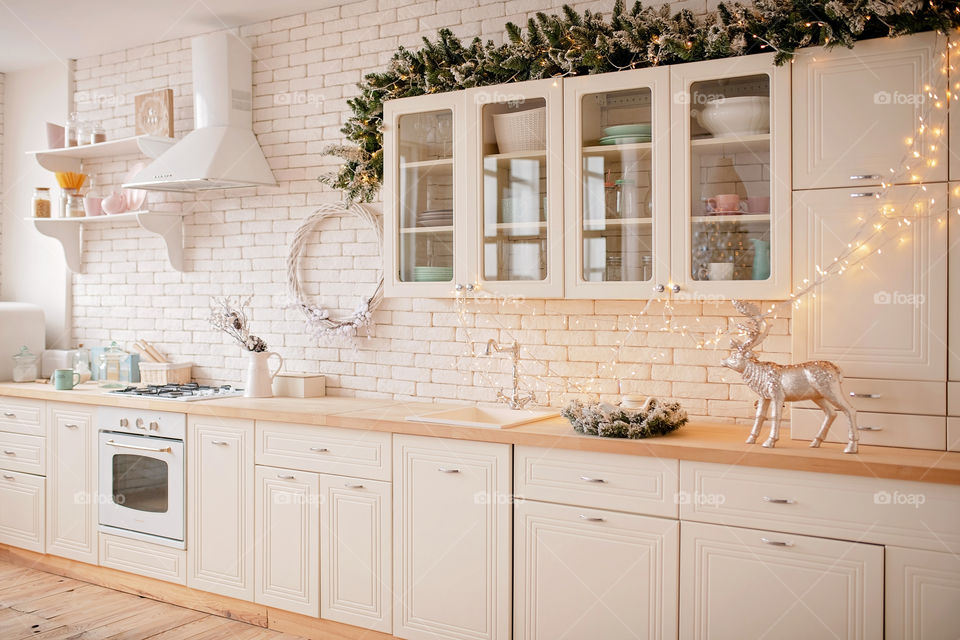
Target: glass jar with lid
[(25, 365), (41, 202), (70, 130), (83, 132), (97, 133), (74, 206), (81, 363), (109, 366)]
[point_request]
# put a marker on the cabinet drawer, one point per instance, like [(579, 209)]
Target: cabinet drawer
[(884, 429), (22, 453), (143, 558), (23, 514), (599, 480), (21, 416), (893, 396), (920, 515), (953, 398), (348, 452)]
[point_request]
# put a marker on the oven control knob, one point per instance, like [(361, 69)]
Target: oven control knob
[(124, 423), (139, 423), (154, 426)]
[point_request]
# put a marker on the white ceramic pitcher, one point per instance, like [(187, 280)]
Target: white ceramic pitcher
[(259, 377)]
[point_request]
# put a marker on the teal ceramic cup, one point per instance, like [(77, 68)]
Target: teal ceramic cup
[(65, 379)]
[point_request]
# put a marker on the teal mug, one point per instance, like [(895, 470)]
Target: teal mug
[(65, 379)]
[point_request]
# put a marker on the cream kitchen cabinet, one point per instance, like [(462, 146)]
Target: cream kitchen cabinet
[(220, 501), (855, 109), (922, 589), (886, 318), (451, 542), (749, 583), (287, 546), (22, 517), (617, 190), (730, 187), (355, 554), (589, 573), (72, 496)]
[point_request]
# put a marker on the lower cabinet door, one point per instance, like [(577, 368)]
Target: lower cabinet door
[(922, 595), (587, 574), (451, 539), (72, 482), (21, 510), (220, 506), (355, 516), (287, 566), (746, 583)]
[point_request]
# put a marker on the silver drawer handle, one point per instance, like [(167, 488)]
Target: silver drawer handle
[(219, 442), (132, 446), (71, 426), (319, 449), (869, 396), (352, 485), (592, 518), (448, 470), (10, 453), (589, 479), (869, 428), (8, 477), (776, 543), (863, 194), (9, 414), (286, 476), (779, 500), (865, 176)]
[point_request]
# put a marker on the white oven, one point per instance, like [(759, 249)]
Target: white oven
[(141, 473)]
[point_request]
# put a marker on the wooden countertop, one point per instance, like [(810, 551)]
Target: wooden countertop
[(719, 443)]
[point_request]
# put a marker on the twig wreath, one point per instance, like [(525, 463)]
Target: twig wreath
[(320, 324)]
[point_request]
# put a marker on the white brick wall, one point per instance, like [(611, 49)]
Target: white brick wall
[(306, 67)]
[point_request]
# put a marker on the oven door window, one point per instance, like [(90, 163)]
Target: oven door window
[(140, 483)]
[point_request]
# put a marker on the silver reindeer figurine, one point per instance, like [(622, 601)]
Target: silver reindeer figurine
[(818, 381)]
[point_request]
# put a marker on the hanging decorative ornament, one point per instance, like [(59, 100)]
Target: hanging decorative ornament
[(320, 324), (817, 380)]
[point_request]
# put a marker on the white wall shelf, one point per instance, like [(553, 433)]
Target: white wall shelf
[(71, 158), (69, 232)]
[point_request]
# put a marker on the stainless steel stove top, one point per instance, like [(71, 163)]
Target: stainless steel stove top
[(190, 392)]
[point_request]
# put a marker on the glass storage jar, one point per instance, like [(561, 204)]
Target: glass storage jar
[(25, 366), (109, 366), (74, 206), (41, 202)]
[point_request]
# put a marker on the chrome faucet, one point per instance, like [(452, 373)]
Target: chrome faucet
[(514, 400)]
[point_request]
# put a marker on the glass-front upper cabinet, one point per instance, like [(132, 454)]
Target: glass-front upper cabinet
[(731, 179), (617, 148), (424, 192), (516, 239)]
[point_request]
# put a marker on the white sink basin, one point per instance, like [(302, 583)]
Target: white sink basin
[(491, 418)]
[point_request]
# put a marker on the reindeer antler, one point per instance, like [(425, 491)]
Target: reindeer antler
[(756, 329)]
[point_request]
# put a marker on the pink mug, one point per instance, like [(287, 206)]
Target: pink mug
[(114, 203), (724, 203)]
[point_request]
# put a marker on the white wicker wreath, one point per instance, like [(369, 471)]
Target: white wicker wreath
[(317, 317)]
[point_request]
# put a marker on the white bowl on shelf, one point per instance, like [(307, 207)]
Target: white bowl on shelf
[(740, 116)]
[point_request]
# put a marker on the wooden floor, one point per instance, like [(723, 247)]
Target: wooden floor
[(35, 604)]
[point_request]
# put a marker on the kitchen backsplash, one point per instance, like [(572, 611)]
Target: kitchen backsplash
[(306, 68)]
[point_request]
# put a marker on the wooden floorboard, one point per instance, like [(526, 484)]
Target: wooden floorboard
[(42, 606)]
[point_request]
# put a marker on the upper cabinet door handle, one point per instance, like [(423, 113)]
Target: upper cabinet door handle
[(589, 479), (869, 396), (319, 449), (865, 176), (448, 470), (779, 500)]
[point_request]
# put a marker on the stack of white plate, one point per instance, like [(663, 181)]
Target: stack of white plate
[(435, 218), (432, 274), (626, 134)]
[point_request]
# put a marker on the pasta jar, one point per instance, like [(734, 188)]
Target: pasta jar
[(41, 202)]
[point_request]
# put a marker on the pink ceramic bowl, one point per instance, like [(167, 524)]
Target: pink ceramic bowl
[(114, 203), (92, 206)]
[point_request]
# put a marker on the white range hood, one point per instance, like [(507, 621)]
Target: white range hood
[(221, 152)]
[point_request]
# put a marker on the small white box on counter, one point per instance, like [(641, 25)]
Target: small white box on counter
[(300, 385)]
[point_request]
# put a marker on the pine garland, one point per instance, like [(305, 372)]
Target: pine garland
[(573, 44), (656, 418)]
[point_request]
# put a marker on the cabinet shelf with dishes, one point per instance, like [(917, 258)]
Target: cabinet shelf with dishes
[(667, 183), (69, 232)]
